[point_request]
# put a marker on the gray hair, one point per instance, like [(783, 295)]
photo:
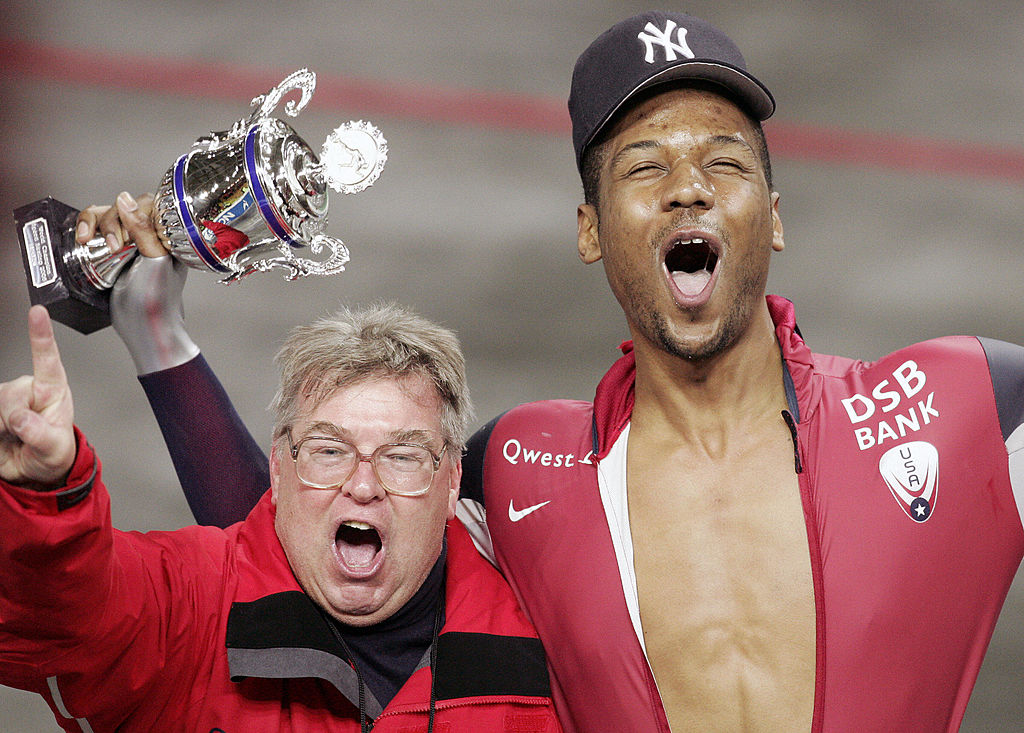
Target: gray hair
[(381, 340)]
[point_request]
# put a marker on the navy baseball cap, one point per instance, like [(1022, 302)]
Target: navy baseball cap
[(655, 48)]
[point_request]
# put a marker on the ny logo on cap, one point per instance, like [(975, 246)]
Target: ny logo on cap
[(651, 36)]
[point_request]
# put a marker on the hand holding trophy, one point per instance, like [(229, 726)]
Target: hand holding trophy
[(238, 202)]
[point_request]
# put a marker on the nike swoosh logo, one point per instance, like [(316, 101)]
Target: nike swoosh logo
[(516, 514)]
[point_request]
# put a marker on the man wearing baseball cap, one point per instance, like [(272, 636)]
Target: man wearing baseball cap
[(738, 533), (769, 538)]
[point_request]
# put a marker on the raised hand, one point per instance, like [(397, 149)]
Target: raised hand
[(127, 221), (37, 441), (146, 300)]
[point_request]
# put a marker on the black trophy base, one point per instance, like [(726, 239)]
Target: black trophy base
[(46, 231)]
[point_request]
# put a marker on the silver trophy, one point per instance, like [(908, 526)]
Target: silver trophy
[(241, 201)]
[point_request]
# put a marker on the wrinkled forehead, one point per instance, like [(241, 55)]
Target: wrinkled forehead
[(408, 401)]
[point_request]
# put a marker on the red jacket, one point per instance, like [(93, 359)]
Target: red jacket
[(906, 469), (204, 629)]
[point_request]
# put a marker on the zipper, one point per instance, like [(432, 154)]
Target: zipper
[(791, 424), (450, 704), (814, 547)]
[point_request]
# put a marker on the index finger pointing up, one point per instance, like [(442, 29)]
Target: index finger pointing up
[(47, 368)]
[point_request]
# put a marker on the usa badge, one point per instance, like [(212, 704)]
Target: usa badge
[(911, 471)]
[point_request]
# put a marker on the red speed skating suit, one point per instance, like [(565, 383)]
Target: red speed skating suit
[(905, 475), (207, 630)]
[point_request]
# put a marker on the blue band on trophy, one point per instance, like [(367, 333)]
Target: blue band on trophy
[(189, 224), (270, 214)]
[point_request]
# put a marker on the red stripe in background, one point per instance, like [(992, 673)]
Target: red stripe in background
[(191, 78)]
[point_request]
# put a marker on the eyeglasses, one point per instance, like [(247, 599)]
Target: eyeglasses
[(404, 469)]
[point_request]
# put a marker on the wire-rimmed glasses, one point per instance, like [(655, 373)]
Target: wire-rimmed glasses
[(404, 469)]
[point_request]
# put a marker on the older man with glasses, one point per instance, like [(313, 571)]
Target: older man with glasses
[(344, 601)]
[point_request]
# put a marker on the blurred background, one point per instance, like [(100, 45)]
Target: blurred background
[(897, 150)]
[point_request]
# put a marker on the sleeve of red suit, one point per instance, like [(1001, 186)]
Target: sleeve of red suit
[(91, 616)]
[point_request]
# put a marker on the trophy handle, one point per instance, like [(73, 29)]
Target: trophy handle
[(333, 264), (297, 266), (303, 80)]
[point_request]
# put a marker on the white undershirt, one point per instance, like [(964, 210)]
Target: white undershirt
[(611, 481)]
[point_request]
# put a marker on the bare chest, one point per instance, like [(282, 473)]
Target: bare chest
[(725, 587)]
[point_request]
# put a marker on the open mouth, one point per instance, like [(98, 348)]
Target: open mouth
[(358, 544), (690, 264)]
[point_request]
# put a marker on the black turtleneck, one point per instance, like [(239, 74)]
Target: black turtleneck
[(386, 654)]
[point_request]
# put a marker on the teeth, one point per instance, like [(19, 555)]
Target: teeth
[(357, 525), (696, 240)]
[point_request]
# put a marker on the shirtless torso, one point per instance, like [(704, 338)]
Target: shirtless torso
[(724, 576)]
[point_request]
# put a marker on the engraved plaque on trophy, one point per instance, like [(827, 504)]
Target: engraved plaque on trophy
[(245, 200)]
